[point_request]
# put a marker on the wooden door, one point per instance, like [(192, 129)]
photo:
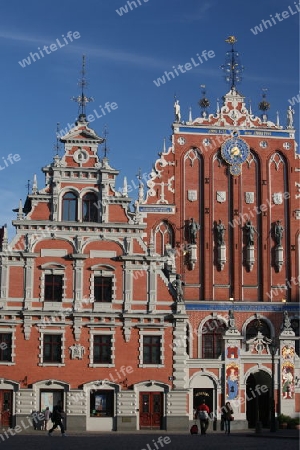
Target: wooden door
[(6, 408), (151, 410)]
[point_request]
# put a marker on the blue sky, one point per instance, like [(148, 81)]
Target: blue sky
[(124, 54)]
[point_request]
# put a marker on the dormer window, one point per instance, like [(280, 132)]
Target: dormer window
[(89, 208), (69, 207)]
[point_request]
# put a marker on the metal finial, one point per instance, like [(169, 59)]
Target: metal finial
[(105, 134), (82, 99), (204, 102), (232, 67), (28, 185), (57, 145), (139, 174)]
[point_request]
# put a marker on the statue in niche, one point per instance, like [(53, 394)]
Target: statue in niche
[(178, 286), (250, 230), (177, 111), (220, 230), (278, 232), (193, 230)]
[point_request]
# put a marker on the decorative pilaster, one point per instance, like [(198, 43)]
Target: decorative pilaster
[(180, 370), (78, 266), (28, 278)]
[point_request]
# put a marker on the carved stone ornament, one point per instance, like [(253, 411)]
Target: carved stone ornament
[(192, 195), (77, 351), (221, 196), (249, 197), (277, 198)]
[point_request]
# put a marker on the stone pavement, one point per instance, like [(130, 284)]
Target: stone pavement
[(156, 440)]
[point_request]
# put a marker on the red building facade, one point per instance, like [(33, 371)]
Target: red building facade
[(131, 318)]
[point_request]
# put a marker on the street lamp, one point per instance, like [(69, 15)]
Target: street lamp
[(273, 349)]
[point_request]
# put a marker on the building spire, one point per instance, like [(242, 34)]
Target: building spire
[(82, 99), (232, 67)]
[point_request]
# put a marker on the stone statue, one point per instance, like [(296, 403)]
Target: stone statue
[(290, 119), (177, 111), (178, 286), (287, 326), (250, 230), (231, 321), (220, 233), (278, 232), (193, 230)]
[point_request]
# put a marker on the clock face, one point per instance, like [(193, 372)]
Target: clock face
[(235, 151)]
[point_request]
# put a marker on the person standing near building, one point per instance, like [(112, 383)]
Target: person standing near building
[(227, 412), (46, 417), (203, 412), (57, 419)]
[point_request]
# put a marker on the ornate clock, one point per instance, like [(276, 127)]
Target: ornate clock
[(235, 151)]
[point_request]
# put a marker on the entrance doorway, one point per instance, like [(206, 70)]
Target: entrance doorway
[(151, 410), (6, 408), (258, 402)]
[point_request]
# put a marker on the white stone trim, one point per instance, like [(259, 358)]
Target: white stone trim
[(60, 332), (11, 331), (97, 271), (160, 333), (52, 269)]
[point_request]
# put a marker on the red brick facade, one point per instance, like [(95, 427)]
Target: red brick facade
[(93, 311)]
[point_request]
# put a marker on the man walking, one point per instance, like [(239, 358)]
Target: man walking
[(57, 416), (203, 411)]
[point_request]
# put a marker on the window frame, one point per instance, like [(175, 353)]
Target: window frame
[(63, 207), (53, 286), (217, 339), (11, 332), (102, 285), (62, 352), (110, 395), (110, 333), (90, 203), (53, 268), (151, 333)]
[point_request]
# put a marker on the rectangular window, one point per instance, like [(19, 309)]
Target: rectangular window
[(102, 349), (52, 348), (5, 347), (102, 289), (102, 403), (151, 350), (53, 288)]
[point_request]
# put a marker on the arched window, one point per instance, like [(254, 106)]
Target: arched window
[(255, 326), (69, 207), (89, 208), (212, 339)]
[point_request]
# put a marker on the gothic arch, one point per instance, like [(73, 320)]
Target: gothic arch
[(163, 234)]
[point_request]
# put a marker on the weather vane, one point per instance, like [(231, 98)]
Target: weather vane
[(232, 67), (82, 99)]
